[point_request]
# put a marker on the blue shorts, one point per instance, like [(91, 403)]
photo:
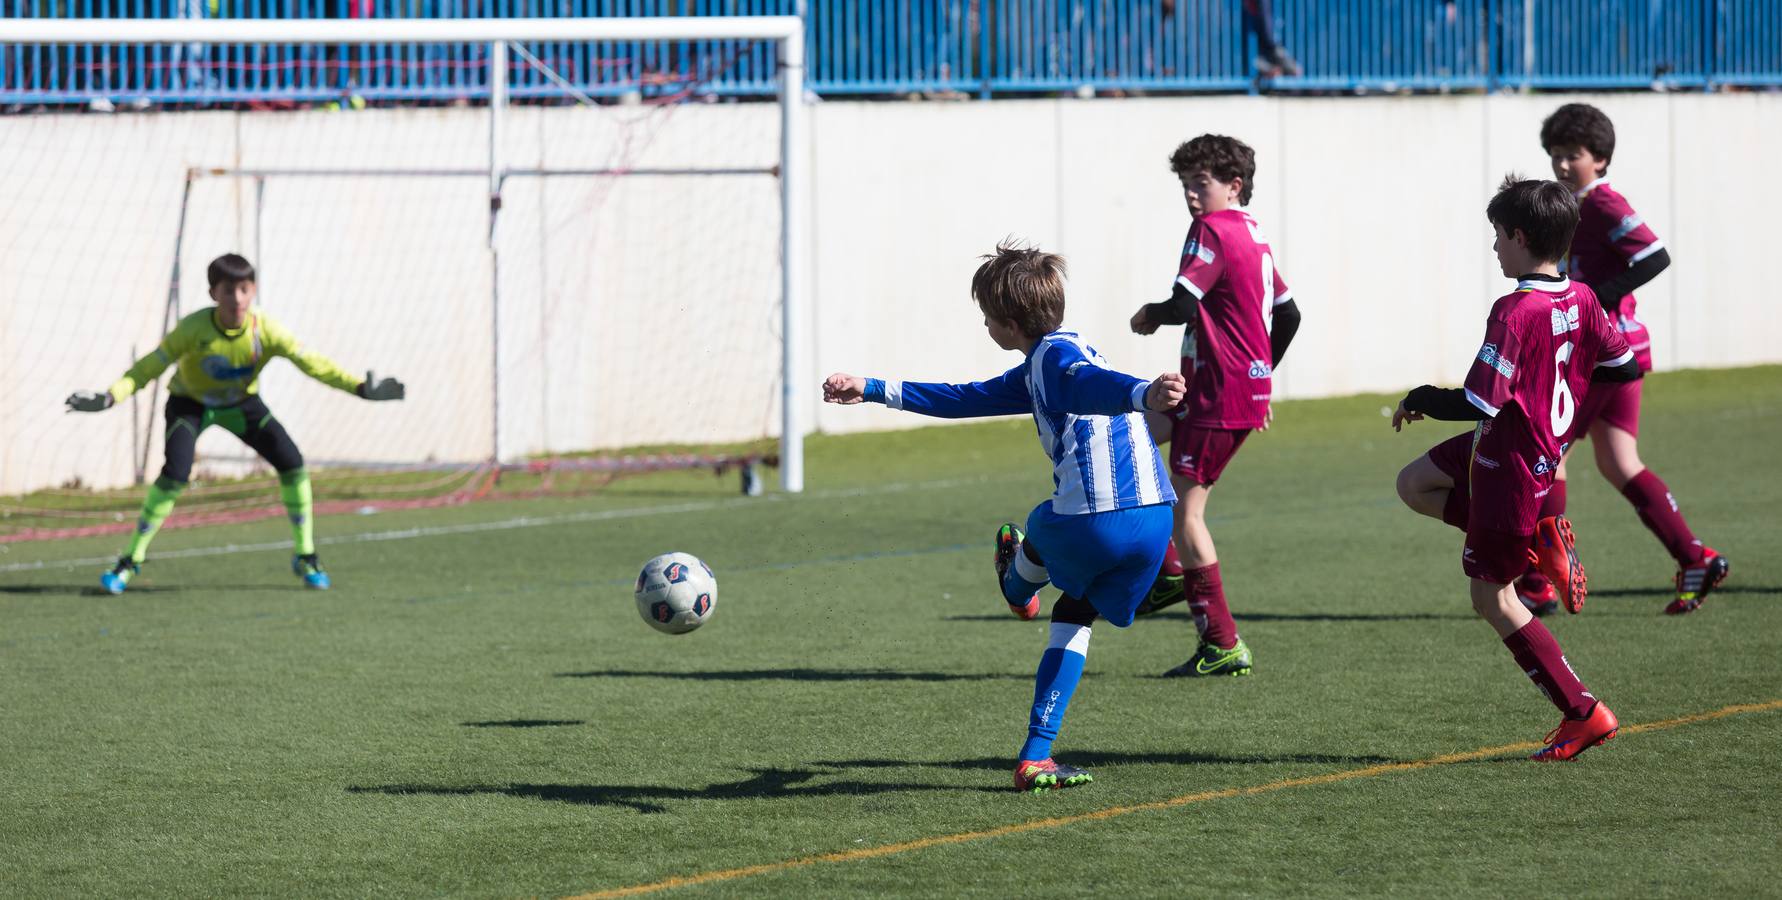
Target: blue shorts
[(1109, 558)]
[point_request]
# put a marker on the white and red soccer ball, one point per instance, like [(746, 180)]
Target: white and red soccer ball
[(676, 593)]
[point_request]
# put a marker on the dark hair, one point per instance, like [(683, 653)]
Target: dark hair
[(1023, 285), (1227, 158), (229, 269), (1580, 125), (1544, 211)]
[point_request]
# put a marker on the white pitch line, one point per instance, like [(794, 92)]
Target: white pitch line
[(605, 515)]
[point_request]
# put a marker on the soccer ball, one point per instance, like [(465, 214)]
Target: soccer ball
[(676, 593)]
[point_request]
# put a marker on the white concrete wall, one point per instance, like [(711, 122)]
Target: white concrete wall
[(645, 310)]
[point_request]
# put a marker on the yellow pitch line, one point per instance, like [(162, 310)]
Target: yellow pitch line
[(681, 881)]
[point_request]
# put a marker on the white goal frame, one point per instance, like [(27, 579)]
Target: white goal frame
[(787, 32)]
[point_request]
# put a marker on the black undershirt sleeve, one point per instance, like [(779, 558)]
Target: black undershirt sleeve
[(1286, 324), (1621, 374), (1179, 309), (1610, 291), (1446, 404)]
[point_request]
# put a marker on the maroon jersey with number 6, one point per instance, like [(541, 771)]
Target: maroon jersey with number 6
[(1228, 267), (1541, 344)]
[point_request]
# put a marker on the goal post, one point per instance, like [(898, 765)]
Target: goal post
[(503, 47)]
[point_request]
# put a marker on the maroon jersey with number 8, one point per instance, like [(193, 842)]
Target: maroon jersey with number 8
[(1541, 344), (1228, 267)]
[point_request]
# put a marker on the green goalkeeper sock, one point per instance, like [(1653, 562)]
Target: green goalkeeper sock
[(293, 488), (155, 508)]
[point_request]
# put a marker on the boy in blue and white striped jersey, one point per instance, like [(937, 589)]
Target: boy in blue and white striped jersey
[(1103, 533)]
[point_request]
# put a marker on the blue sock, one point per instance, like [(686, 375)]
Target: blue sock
[(1061, 666), (1019, 583)]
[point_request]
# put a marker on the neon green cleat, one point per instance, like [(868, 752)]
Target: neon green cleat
[(1039, 776), (1166, 591), (1209, 660)]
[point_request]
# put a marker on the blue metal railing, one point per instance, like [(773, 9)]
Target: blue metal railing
[(976, 47)]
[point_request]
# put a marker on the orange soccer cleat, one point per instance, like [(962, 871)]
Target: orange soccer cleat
[(1555, 553), (1574, 736)]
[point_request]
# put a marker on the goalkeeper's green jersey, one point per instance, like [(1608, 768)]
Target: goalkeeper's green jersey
[(219, 367)]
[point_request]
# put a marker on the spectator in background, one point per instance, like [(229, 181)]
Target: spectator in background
[(1272, 59)]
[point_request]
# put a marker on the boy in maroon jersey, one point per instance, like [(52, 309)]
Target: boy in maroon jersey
[(1227, 289), (1545, 343), (1615, 252)]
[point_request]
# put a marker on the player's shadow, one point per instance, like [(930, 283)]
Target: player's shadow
[(1662, 592), (1263, 617), (1094, 758), (798, 674), (763, 784), (525, 723), (69, 590)]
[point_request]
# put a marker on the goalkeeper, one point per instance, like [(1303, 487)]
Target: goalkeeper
[(217, 355)]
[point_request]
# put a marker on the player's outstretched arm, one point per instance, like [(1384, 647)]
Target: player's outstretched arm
[(1004, 395), (1446, 404), (141, 374), (1179, 309)]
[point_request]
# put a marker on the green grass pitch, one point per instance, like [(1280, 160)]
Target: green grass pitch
[(477, 710)]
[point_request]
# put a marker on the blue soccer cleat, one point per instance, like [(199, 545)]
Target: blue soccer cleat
[(116, 580), (308, 567)]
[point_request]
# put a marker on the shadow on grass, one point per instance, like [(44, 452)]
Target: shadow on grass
[(800, 674), (1094, 758), (1668, 592), (1265, 617), (764, 784), (524, 723), (773, 784), (70, 590)]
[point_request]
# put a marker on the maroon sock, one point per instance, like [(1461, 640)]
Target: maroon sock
[(1206, 600), (1539, 655), (1456, 507), (1172, 562), (1554, 503), (1658, 509)]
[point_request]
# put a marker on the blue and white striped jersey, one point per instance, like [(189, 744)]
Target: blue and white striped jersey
[(1089, 418)]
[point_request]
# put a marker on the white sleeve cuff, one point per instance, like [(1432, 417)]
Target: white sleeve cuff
[(1138, 395), (1189, 286), (1479, 401), (1617, 361), (894, 394), (1651, 248), (1283, 297)]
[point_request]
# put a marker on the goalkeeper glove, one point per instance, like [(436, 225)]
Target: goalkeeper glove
[(375, 388), (89, 401)]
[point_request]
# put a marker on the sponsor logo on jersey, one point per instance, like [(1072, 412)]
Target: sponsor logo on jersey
[(1486, 461), (1260, 369), (1565, 321), (1542, 465), (1199, 251), (218, 368), (1489, 356)]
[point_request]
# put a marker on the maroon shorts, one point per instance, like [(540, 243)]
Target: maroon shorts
[(1490, 554), (1613, 404), (1495, 556), (1201, 454)]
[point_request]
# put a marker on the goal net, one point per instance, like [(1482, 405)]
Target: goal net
[(574, 252)]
